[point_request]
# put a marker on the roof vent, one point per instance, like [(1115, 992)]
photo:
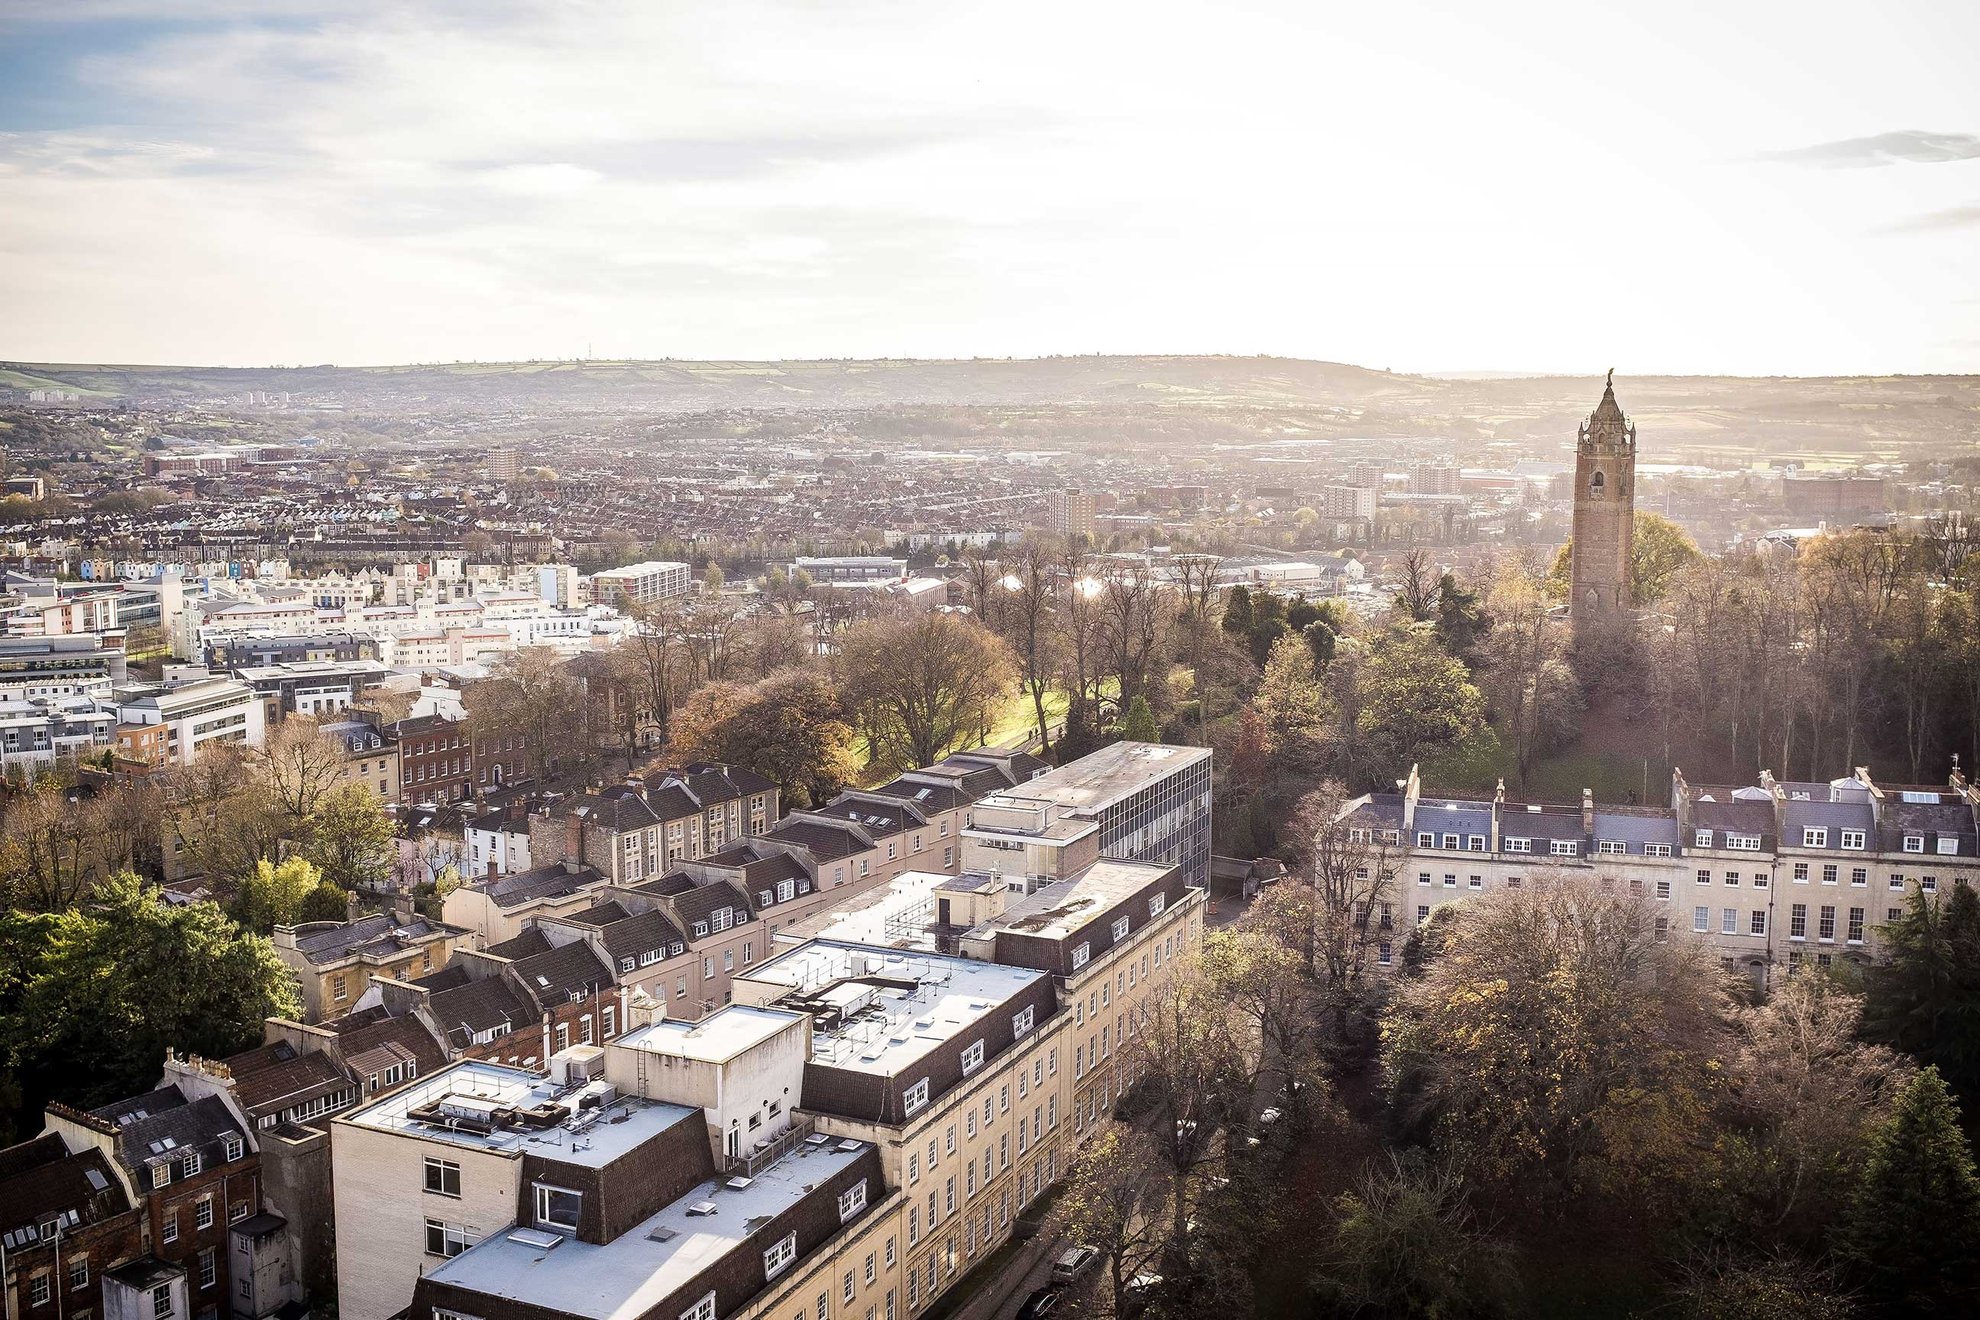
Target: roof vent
[(661, 1233), (536, 1237), (702, 1208), (736, 1184)]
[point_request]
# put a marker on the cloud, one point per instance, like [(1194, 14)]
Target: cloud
[(1955, 217), (1883, 149)]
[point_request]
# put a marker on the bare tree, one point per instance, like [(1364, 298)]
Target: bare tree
[(299, 764), (1116, 1199), (1416, 591)]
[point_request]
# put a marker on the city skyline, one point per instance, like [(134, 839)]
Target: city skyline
[(249, 184)]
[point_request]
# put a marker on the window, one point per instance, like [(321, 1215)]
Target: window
[(1914, 843), (1814, 837), (1156, 904), (170, 1231), (1120, 929), (779, 1257), (1450, 881), (1701, 918), (915, 1097), (1732, 878), (1929, 883), (1759, 879), (1852, 838), (237, 1211), (851, 1202), (1426, 840), (1829, 874), (1656, 850), (1475, 843), (1611, 848), (161, 1300), (1564, 847), (1512, 882), (1021, 1022), (161, 1174), (203, 1213), (557, 1207), (39, 1292), (1801, 873), (1664, 889), (209, 1271), (1948, 845), (1475, 882), (446, 1240), (1893, 914), (1798, 922), (1729, 921), (1827, 929), (890, 1253), (79, 1274), (1856, 925), (914, 1168), (1422, 877), (1081, 953), (1518, 845), (1758, 923), (443, 1177), (234, 1146), (701, 1310), (972, 1057), (1701, 839), (1422, 913), (1450, 841)]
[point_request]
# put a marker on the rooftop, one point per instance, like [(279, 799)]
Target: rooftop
[(1096, 782), (640, 1268), (717, 1038), (1056, 911), (489, 1107), (879, 1010)]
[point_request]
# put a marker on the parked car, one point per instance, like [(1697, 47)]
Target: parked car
[(1041, 1303), (1073, 1262)]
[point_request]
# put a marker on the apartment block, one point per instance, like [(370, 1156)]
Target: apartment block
[(334, 961), (642, 584)]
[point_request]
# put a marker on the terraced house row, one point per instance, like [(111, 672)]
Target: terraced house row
[(1775, 875)]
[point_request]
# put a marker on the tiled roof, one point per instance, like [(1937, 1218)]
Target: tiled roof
[(697, 903), (171, 1126), (277, 1077), (824, 841), (40, 1180), (556, 976), (400, 1035), (529, 942), (479, 1006), (379, 934), (548, 881), (648, 932)]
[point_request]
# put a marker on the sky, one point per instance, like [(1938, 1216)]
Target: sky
[(1687, 186)]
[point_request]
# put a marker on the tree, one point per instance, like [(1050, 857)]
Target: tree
[(1560, 1043), (351, 839), (1139, 723), (114, 985), (1262, 968), (1460, 623), (1407, 1243), (1924, 996), (1658, 551), (1237, 612), (274, 895), (712, 578), (1019, 607), (299, 764), (1115, 1198), (1416, 699), (1527, 678), (1416, 586), (1914, 1230), (787, 728), (1291, 701), (922, 684), (531, 692), (1350, 872)]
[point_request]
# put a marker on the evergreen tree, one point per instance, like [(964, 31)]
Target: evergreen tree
[(1914, 1229), (1237, 613), (1139, 724), (1924, 998)]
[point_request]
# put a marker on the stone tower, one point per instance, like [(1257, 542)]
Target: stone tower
[(1604, 514)]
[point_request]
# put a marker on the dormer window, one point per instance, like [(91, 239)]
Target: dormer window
[(1948, 845), (1814, 837), (1518, 845), (1701, 839), (1450, 841), (1914, 843), (558, 1208), (1853, 839), (1426, 840)]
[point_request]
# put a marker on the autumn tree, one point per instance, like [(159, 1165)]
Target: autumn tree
[(1414, 699), (924, 683), (1407, 1242), (1115, 1198), (1262, 969), (531, 692), (276, 895), (787, 728), (1560, 1043), (1020, 608), (1527, 677), (1349, 870), (351, 839)]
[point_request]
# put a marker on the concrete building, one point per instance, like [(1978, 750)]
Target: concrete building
[(1069, 512), (75, 666), (1438, 477), (1347, 503), (1134, 801), (195, 714), (644, 583), (502, 464), (843, 570)]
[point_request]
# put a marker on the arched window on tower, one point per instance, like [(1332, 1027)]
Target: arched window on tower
[(1595, 484)]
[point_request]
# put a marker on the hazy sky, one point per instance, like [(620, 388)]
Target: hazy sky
[(1721, 185)]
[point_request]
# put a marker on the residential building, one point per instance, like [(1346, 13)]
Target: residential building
[(656, 820), (371, 758), (436, 759), (498, 841), (502, 464), (194, 714), (37, 733), (643, 583), (69, 1218), (77, 666), (842, 570), (335, 960), (1347, 503), (1069, 512)]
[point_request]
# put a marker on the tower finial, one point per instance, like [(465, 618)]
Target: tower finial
[(1610, 383)]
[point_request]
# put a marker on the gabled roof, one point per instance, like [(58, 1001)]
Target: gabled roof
[(163, 1124), (696, 904), (378, 935), (479, 1006), (405, 1036), (647, 932), (825, 840), (277, 1076), (522, 945), (556, 976), (552, 880)]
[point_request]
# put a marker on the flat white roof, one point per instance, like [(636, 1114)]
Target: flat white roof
[(894, 1006), (878, 916), (717, 1038), (1093, 783), (591, 1136), (634, 1272)]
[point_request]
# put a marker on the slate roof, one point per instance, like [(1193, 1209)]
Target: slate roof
[(40, 1180), (1516, 822), (529, 942), (1741, 817), (1441, 816), (1797, 815), (1636, 828), (163, 1125), (602, 913), (696, 904), (379, 935), (648, 932), (479, 1006), (277, 1076), (556, 976), (405, 1036), (664, 886), (824, 841), (549, 881)]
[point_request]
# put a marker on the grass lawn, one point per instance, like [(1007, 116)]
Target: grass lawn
[(1016, 726), (1619, 759)]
